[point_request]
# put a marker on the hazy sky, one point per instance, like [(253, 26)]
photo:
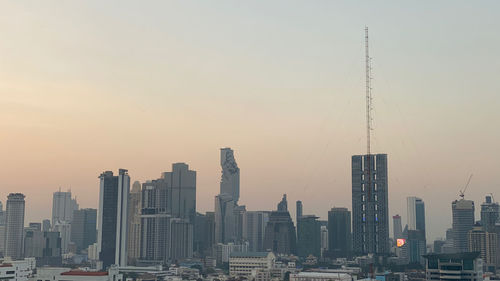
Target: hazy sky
[(88, 86)]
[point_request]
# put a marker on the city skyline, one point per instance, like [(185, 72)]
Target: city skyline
[(435, 116)]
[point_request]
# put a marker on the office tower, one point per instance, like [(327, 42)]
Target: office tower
[(459, 266), (83, 228), (64, 229), (44, 246), (486, 244), (398, 229), (181, 239), (46, 225), (308, 236), (200, 235), (370, 204), (210, 235), (415, 246), (224, 218), (463, 221), (2, 240), (134, 228), (2, 214), (35, 225), (298, 210), (63, 206), (230, 179), (181, 198), (14, 226), (280, 235), (324, 241), (112, 217), (339, 233), (254, 226), (33, 242), (239, 213), (489, 214), (416, 214)]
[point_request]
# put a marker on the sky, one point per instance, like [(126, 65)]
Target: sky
[(89, 86)]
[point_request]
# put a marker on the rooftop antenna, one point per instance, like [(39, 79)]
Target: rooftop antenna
[(368, 78)]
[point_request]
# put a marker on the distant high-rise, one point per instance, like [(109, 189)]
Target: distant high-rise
[(46, 225), (230, 179), (181, 183), (2, 214), (64, 229), (181, 239), (83, 228), (339, 233), (112, 217), (324, 240), (416, 214), (370, 207), (397, 227), (134, 228), (485, 243), (463, 221), (298, 210), (14, 226), (308, 236), (489, 214), (280, 235), (224, 218), (63, 206), (254, 226)]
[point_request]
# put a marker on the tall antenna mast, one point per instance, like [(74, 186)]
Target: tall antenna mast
[(368, 93)]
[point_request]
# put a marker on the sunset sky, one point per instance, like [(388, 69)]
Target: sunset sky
[(88, 86)]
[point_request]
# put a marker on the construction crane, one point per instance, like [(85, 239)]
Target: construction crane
[(462, 192)]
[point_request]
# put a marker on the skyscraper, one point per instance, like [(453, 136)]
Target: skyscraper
[(489, 214), (463, 221), (230, 179), (339, 233), (416, 214), (224, 218), (2, 214), (63, 206), (485, 243), (254, 226), (370, 204), (112, 216), (308, 236), (134, 228), (280, 235), (398, 229), (83, 228), (181, 184), (14, 226), (298, 209)]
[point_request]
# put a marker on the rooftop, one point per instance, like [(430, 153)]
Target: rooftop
[(250, 254)]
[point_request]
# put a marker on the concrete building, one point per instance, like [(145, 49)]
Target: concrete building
[(299, 210), (17, 270), (254, 227), (463, 221), (458, 266), (490, 212), (416, 213), (397, 227), (46, 225), (64, 229), (223, 251), (14, 226), (324, 240), (84, 228), (415, 247), (486, 243), (224, 219), (370, 206), (113, 218), (63, 206), (230, 179), (280, 235), (320, 276), (181, 187), (134, 227), (308, 236), (339, 233), (44, 246), (65, 274), (181, 239), (247, 264)]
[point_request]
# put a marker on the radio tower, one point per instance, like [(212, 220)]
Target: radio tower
[(368, 94)]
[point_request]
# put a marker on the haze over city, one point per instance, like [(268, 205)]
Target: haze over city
[(89, 86)]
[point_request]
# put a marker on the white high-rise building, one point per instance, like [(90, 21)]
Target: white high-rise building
[(63, 206), (14, 226)]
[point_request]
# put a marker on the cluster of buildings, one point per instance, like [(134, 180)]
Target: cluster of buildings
[(153, 229)]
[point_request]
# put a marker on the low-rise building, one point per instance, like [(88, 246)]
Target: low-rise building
[(320, 276), (459, 266), (63, 274), (19, 270), (248, 263)]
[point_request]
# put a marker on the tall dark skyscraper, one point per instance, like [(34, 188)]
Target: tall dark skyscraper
[(489, 214), (298, 210), (397, 227), (83, 228), (14, 226), (463, 222), (339, 233), (112, 215), (280, 235), (308, 236), (181, 183), (370, 207)]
